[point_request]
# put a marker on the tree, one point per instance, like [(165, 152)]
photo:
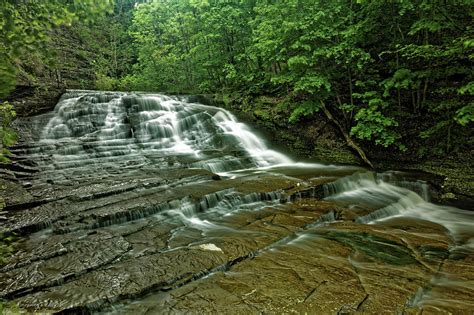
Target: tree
[(24, 27), (372, 64), (388, 73)]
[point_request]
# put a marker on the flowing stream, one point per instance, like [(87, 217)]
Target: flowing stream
[(144, 203)]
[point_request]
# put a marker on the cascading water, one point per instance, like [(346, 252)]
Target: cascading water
[(138, 130), (391, 201), (124, 128), (132, 195)]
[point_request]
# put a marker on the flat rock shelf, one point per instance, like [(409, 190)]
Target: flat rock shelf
[(128, 203)]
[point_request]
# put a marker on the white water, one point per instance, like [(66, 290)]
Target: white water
[(93, 128), (96, 131), (391, 201), (116, 130)]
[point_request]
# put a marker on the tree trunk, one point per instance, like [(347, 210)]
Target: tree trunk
[(349, 141)]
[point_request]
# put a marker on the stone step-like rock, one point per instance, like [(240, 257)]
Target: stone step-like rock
[(77, 258), (341, 267), (136, 276), (124, 203), (20, 168)]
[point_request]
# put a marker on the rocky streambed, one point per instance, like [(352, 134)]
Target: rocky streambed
[(123, 204)]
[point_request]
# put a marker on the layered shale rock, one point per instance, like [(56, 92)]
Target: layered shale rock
[(135, 204)]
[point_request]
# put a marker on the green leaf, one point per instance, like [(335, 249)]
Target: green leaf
[(303, 110)]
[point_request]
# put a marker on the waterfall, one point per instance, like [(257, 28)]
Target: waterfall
[(152, 194), (95, 128)]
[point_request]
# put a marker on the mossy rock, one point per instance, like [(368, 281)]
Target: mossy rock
[(335, 155)]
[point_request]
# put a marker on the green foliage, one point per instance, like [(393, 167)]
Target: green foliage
[(9, 308), (380, 66), (8, 136), (191, 46), (401, 79), (468, 89), (465, 115), (105, 83), (7, 247), (25, 27), (372, 124), (303, 110)]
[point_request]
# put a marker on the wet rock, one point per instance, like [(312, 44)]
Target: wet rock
[(31, 100), (71, 260), (13, 192), (112, 222), (127, 279), (270, 260), (334, 267)]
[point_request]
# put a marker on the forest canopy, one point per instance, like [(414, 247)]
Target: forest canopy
[(386, 71)]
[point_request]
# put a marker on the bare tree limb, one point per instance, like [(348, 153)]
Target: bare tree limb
[(349, 141)]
